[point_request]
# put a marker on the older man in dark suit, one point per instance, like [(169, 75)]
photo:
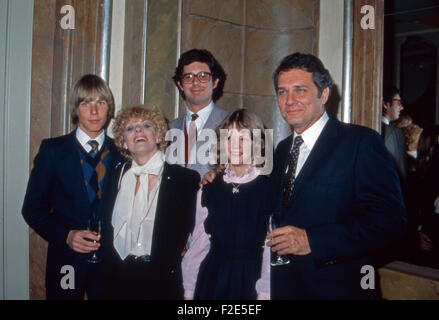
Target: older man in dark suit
[(336, 191), (66, 191), (200, 79)]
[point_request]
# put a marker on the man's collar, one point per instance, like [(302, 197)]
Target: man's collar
[(311, 134), (385, 120), (83, 138), (203, 113)]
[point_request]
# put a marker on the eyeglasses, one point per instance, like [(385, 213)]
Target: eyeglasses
[(202, 76)]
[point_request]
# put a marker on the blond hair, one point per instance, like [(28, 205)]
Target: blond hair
[(241, 119)]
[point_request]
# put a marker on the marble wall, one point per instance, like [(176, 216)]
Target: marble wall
[(249, 38), (402, 281), (150, 54)]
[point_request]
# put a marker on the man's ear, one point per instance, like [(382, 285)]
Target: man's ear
[(325, 95), (125, 146), (385, 105), (215, 83), (179, 85)]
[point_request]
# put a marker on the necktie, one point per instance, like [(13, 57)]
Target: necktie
[(290, 176), (192, 137), (94, 148)]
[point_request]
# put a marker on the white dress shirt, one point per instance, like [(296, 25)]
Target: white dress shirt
[(203, 115), (309, 137), (83, 138), (134, 214)]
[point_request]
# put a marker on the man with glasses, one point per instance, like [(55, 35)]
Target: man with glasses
[(393, 136), (200, 79)]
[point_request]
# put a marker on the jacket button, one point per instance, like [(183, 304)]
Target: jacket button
[(172, 271)]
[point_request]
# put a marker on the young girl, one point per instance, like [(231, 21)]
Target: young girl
[(224, 256)]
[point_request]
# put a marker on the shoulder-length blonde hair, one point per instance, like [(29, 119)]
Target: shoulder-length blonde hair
[(142, 113), (241, 119), (87, 86)]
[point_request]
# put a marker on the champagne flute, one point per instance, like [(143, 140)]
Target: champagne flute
[(94, 225), (276, 260)]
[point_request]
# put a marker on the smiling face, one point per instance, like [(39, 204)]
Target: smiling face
[(140, 139), (239, 146), (298, 100), (198, 95), (92, 115)]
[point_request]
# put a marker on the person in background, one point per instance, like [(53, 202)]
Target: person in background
[(225, 251), (67, 189), (408, 249), (427, 177), (393, 136), (153, 213), (411, 132)]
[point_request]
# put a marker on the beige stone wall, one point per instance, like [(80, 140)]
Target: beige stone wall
[(402, 281), (249, 38)]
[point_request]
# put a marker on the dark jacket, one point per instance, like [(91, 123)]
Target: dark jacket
[(57, 201), (348, 198)]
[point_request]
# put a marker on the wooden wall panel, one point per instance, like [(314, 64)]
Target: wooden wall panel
[(367, 68)]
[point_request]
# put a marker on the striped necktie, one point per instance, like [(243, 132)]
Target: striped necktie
[(290, 176), (192, 137), (94, 148)]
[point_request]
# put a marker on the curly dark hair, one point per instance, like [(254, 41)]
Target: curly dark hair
[(389, 93), (305, 62), (201, 55)]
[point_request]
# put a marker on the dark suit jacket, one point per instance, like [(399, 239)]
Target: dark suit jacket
[(347, 197), (394, 141), (56, 201), (174, 220)]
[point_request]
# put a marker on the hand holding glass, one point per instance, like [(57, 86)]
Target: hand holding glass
[(94, 226), (276, 260)]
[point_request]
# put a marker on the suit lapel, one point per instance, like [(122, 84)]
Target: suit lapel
[(72, 170), (280, 165), (163, 203), (212, 121), (113, 162), (322, 147), (180, 122)]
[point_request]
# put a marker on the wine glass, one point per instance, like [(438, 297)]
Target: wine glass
[(276, 260), (94, 225)]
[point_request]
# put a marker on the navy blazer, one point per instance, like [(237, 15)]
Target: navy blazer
[(348, 198), (56, 199)]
